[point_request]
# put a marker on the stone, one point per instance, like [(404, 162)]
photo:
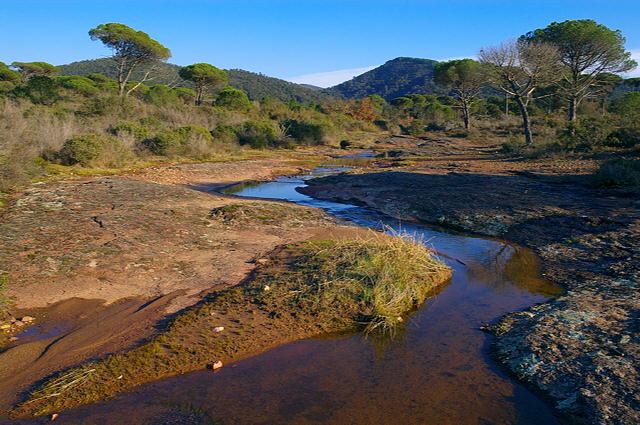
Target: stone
[(5, 326), (28, 319), (215, 365), (267, 288), (218, 329)]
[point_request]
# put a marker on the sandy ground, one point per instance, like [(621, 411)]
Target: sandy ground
[(99, 261)]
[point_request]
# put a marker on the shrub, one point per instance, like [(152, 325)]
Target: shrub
[(81, 85), (225, 133), (94, 150), (136, 130), (100, 106), (235, 99), (257, 134), (587, 133), (623, 137), (618, 173), (42, 90), (183, 141), (161, 95), (305, 132), (187, 96)]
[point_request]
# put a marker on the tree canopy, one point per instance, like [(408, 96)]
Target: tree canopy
[(8, 78), (131, 49), (465, 78), (29, 69), (233, 99), (204, 76), (587, 49)]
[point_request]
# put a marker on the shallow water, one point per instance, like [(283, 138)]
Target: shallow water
[(435, 371)]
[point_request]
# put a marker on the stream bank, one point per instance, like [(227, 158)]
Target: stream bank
[(581, 349)]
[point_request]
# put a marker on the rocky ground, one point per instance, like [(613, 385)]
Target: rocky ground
[(95, 263), (582, 349)]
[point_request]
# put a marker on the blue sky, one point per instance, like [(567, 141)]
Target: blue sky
[(289, 39)]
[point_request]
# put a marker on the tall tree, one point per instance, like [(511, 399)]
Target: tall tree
[(204, 77), (465, 79), (586, 50), (131, 49), (29, 69), (519, 68)]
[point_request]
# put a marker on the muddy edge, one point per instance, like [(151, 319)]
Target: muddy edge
[(96, 264), (580, 350)]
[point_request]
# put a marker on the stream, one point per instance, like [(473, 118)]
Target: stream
[(435, 371)]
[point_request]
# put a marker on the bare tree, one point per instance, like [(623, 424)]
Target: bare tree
[(519, 68)]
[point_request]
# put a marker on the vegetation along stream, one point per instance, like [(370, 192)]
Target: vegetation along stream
[(435, 370)]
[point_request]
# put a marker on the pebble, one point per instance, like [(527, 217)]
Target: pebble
[(267, 288), (28, 319), (215, 365), (5, 326), (218, 329)]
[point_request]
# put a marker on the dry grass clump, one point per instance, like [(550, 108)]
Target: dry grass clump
[(368, 282)]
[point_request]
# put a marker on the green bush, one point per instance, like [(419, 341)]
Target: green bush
[(235, 99), (257, 134), (100, 106), (183, 141), (42, 90), (187, 96), (94, 150), (623, 138), (587, 133), (81, 85), (161, 95), (225, 134), (618, 173), (305, 132), (136, 130)]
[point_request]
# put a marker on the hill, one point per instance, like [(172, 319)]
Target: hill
[(257, 86), (396, 78)]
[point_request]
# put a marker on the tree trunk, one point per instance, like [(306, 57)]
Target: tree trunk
[(573, 106), (526, 125), (465, 115), (506, 105), (199, 96)]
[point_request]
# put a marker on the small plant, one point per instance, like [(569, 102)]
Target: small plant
[(183, 141), (136, 130), (5, 301), (257, 134), (618, 173), (94, 150)]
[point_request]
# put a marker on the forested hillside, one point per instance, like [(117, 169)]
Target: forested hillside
[(396, 78), (257, 86)]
